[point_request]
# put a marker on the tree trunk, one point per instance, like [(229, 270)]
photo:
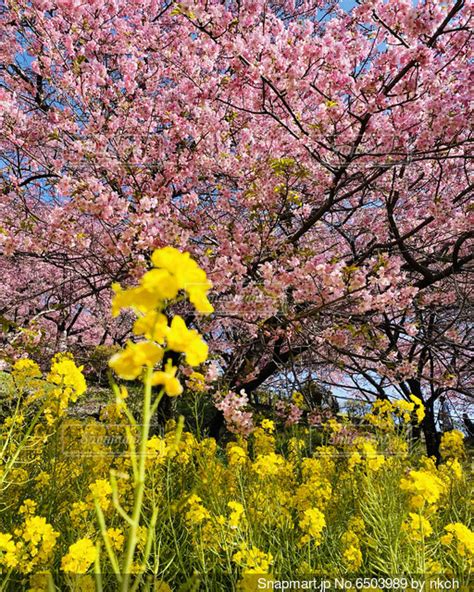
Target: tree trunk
[(428, 425), (432, 436), (216, 425)]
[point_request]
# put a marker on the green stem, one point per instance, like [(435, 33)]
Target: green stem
[(20, 447), (97, 572), (108, 546), (116, 500), (149, 541), (132, 538), (7, 578)]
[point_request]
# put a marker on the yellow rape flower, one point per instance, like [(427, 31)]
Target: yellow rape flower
[(267, 465), (354, 460), (333, 426), (8, 551), (373, 460), (295, 446), (187, 341), (79, 513), (268, 425), (137, 298), (17, 419), (312, 524), (236, 455), (157, 449), (236, 513), (161, 283), (197, 382), (356, 524), (252, 561), (452, 470), (196, 513), (173, 271), (65, 373), (298, 399), (250, 582), (424, 487), (116, 538), (404, 409), (419, 408), (167, 379), (461, 535), (129, 363), (198, 297), (352, 555), (153, 325), (68, 385), (39, 541), (40, 582), (187, 275), (25, 371), (28, 507), (417, 527), (80, 557), (26, 367), (264, 442), (101, 491), (452, 445), (161, 586), (380, 415)]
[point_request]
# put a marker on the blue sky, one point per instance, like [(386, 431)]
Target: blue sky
[(347, 4)]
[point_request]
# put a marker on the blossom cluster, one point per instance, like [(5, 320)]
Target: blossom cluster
[(238, 419), (173, 273)]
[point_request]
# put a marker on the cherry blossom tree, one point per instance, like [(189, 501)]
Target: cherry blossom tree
[(315, 161)]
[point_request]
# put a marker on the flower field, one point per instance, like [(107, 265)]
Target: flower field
[(106, 504)]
